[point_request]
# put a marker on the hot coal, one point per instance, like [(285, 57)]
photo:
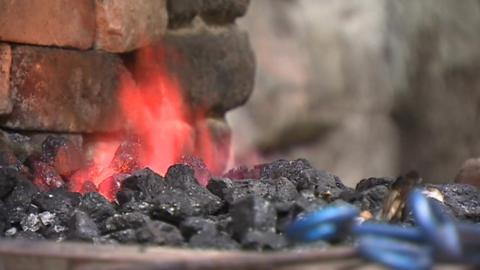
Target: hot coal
[(246, 208), (202, 174), (83, 179), (110, 186), (244, 172), (46, 177), (87, 187), (126, 157), (62, 154)]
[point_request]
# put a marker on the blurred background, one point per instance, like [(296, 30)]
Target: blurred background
[(363, 87)]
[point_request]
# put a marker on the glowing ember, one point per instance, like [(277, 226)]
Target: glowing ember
[(157, 115)]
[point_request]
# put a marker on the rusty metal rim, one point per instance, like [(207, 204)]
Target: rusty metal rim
[(171, 258)]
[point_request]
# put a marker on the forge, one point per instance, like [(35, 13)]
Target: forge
[(114, 147)]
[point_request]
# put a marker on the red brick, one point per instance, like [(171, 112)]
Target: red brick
[(63, 23), (129, 24), (63, 90), (5, 62)]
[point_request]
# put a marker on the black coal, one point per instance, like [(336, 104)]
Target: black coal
[(246, 208)]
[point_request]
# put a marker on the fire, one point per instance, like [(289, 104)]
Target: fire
[(158, 116)]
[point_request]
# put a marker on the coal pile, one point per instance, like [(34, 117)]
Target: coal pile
[(246, 208)]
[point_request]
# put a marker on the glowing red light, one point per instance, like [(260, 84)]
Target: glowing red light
[(156, 113)]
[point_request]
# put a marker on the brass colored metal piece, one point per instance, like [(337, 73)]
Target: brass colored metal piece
[(366, 215), (394, 203), (434, 193)]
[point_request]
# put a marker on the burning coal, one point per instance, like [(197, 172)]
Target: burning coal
[(161, 128)]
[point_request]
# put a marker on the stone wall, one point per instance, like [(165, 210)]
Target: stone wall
[(61, 61), (364, 87)]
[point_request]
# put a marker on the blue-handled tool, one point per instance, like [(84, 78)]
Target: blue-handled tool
[(327, 224), (436, 237)]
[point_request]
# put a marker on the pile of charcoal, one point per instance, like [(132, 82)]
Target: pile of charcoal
[(246, 208)]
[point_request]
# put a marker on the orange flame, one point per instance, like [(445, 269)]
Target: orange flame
[(157, 114)]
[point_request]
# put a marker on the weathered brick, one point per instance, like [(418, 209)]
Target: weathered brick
[(129, 24), (216, 67), (63, 23), (5, 62), (63, 90)]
